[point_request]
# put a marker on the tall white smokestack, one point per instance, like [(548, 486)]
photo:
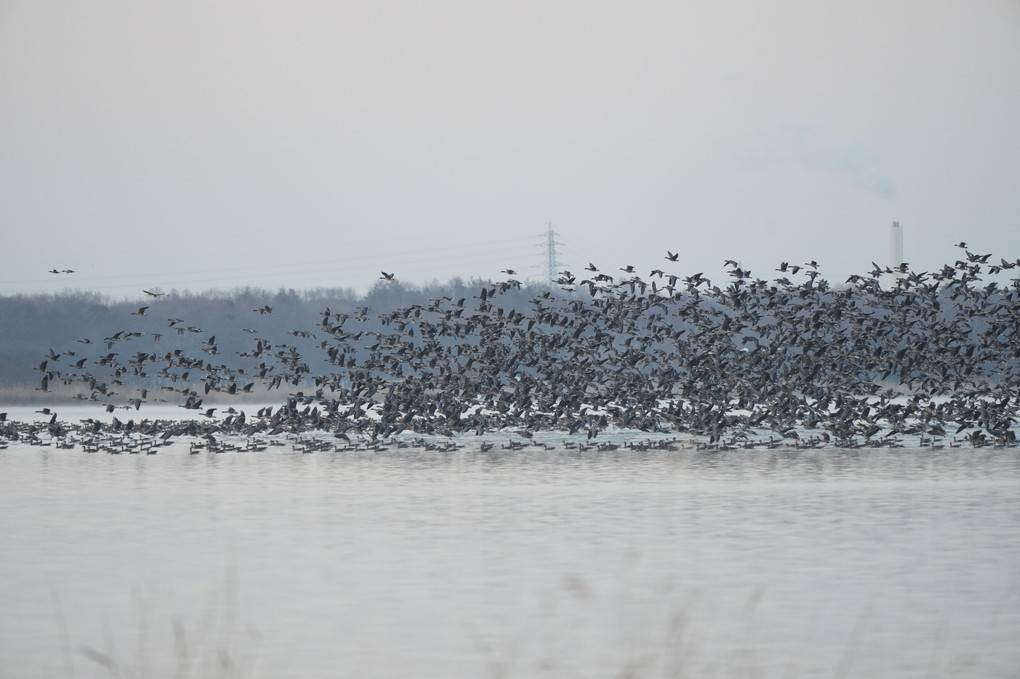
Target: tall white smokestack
[(895, 245)]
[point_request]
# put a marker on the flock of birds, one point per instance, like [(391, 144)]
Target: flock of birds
[(890, 356)]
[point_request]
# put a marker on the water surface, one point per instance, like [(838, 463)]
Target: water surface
[(408, 562)]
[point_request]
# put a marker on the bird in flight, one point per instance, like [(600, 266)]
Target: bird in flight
[(153, 294), (386, 276)]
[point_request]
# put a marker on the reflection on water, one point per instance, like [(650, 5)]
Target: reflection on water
[(510, 564)]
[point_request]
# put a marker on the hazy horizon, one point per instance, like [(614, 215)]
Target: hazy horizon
[(216, 145)]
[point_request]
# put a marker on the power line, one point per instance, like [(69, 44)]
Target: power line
[(449, 255)]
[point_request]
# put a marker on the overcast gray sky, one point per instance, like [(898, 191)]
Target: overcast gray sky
[(202, 144)]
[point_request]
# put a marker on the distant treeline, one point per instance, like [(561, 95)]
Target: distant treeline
[(73, 325)]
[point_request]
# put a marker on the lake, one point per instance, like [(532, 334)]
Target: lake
[(524, 563)]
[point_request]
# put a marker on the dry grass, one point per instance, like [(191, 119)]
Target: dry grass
[(208, 647)]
